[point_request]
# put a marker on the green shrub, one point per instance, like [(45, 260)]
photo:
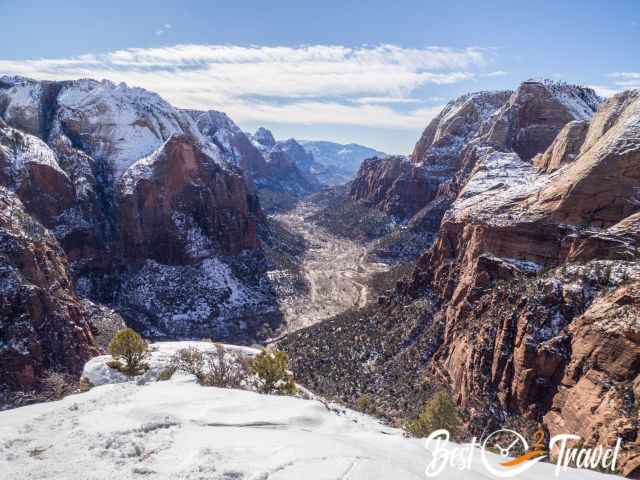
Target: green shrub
[(364, 403), (439, 412), (273, 373), (126, 345)]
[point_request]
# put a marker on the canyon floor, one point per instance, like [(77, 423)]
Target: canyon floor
[(335, 269)]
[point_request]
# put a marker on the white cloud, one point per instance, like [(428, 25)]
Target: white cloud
[(621, 81), (604, 90), (308, 84), (497, 73), (333, 113), (374, 100), (625, 75), (628, 84), (626, 80)]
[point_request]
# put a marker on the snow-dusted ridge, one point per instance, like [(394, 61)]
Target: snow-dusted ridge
[(499, 180), (133, 122), (115, 123), (30, 149), (481, 105), (581, 102)]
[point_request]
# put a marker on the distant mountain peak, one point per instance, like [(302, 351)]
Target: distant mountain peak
[(264, 137), (346, 157)]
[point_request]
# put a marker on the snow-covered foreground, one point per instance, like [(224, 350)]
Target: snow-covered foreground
[(97, 373), (180, 430), (177, 429)]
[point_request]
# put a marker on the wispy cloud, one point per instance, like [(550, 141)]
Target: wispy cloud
[(334, 113), (497, 73), (165, 28), (368, 86), (626, 80), (377, 100), (620, 81), (605, 90), (626, 75)]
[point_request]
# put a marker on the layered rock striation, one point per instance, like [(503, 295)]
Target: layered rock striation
[(526, 304), (141, 196)]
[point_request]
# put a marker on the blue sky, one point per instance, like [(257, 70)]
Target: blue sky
[(368, 72)]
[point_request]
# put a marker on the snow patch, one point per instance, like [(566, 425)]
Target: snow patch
[(22, 148), (205, 299), (580, 101), (97, 372), (497, 182), (23, 102), (126, 124), (178, 429)]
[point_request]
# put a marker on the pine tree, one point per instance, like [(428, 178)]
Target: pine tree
[(439, 412), (272, 370)]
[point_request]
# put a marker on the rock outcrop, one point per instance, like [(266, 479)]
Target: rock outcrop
[(178, 206), (403, 188), (601, 186), (235, 145), (535, 114), (565, 148), (44, 325), (598, 390), (393, 185), (139, 193), (525, 306), (459, 122)]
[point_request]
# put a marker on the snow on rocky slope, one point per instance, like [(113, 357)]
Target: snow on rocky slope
[(205, 300), (235, 145), (490, 313), (112, 122), (142, 193), (179, 429), (23, 149)]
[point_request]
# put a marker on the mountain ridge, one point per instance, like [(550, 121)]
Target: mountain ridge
[(530, 289)]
